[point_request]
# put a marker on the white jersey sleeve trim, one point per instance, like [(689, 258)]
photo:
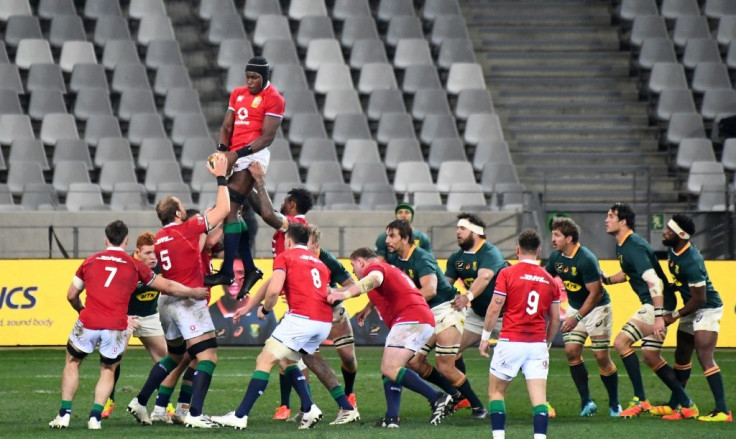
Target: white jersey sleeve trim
[(78, 283)]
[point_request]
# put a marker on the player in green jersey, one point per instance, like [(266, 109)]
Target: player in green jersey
[(640, 267), (699, 318), (422, 268), (588, 313), (404, 211)]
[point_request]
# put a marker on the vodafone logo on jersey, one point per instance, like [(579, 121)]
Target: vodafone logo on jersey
[(242, 114)]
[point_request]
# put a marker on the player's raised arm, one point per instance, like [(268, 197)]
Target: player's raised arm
[(176, 289), (222, 203), (264, 206)]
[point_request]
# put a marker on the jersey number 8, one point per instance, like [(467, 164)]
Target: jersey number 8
[(315, 278)]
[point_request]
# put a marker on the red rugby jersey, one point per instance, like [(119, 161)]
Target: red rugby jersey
[(250, 112), (177, 250), (110, 278), (397, 299), (278, 241), (306, 285)]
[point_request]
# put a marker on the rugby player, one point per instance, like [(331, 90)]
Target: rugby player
[(404, 211)]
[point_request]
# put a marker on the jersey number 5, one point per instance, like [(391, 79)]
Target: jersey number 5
[(532, 302), (165, 260), (315, 278)]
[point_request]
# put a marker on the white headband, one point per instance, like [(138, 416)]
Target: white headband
[(676, 228), (478, 230)]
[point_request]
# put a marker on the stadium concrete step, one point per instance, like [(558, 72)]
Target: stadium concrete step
[(652, 159), (508, 84), (569, 134), (557, 108), (505, 97), (587, 145), (554, 59), (533, 70), (599, 120)]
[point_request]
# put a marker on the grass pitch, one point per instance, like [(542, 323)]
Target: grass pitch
[(30, 397)]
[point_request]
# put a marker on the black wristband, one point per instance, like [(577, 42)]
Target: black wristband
[(248, 150), (221, 181), (265, 311), (222, 147)]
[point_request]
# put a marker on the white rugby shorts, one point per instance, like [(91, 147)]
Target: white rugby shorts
[(298, 333), (598, 322), (263, 157), (511, 356), (149, 326), (445, 316), (411, 336), (474, 323), (185, 318), (112, 342), (704, 319)]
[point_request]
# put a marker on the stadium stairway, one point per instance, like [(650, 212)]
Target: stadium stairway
[(578, 133)]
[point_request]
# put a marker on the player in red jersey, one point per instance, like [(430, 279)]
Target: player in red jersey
[(253, 116), (110, 278), (411, 323), (187, 324), (304, 279), (532, 300)]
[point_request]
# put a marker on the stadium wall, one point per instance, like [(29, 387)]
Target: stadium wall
[(34, 310)]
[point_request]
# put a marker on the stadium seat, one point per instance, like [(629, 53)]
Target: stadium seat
[(689, 27), (712, 198), (195, 151), (279, 52), (647, 26), (22, 27), (28, 150), (72, 150), (135, 100), (66, 28), (92, 102), (32, 51), (394, 126), (87, 76), (255, 8), (343, 10), (482, 127), (6, 199), (129, 76), (97, 9), (710, 75), (323, 51), (365, 173), (412, 52), (377, 196), (341, 102), (684, 126), (10, 8), (39, 196), (628, 10), (429, 102), (154, 27), (225, 26), (673, 9), (10, 78), (76, 52), (367, 51), (111, 28), (174, 189), (114, 172), (312, 28), (655, 50), (408, 173), (14, 126), (300, 101), (163, 53), (445, 150), (728, 158), (21, 173), (702, 173), (286, 170), (112, 149), (666, 75), (437, 8), (384, 101), (719, 8), (464, 76), (391, 8), (497, 172), (471, 101), (332, 194), (694, 150), (301, 9), (180, 101), (68, 172), (438, 126), (317, 150), (99, 126), (350, 126), (235, 77), (358, 28), (161, 171), (9, 102), (491, 151), (200, 177), (425, 196), (463, 195), (332, 77), (55, 126), (376, 76), (447, 27), (210, 8), (119, 52), (3, 54), (359, 150), (402, 27), (402, 150), (153, 150), (509, 196), (717, 101), (454, 172), (129, 196), (305, 126), (140, 9), (726, 34), (84, 196), (280, 149), (44, 102), (208, 196), (455, 50), (674, 101), (271, 27), (143, 126), (188, 125), (234, 52), (48, 9), (731, 57), (322, 172)]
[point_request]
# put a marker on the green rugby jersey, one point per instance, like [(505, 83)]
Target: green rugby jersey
[(575, 271), (636, 256), (144, 301), (464, 265), (420, 240), (688, 267), (338, 273), (421, 263)]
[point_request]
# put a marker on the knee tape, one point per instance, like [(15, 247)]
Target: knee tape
[(447, 350), (110, 361), (600, 345), (176, 349), (344, 341), (202, 346), (235, 196), (574, 337), (652, 345), (632, 332), (75, 353)]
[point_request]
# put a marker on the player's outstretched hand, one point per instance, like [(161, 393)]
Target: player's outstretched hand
[(569, 324), (217, 164), (200, 293), (231, 157), (133, 323), (484, 348), (460, 302), (256, 170), (333, 296), (659, 328), (365, 312), (261, 315), (240, 312)]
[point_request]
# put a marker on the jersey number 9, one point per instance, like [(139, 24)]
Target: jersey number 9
[(532, 302)]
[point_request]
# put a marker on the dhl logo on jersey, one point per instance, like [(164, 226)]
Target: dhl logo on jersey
[(572, 286)]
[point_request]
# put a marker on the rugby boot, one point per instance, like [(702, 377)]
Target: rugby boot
[(230, 420), (346, 417), (282, 413), (311, 418), (60, 421), (661, 410), (387, 423), (250, 279), (200, 421), (180, 412), (160, 416), (479, 413), (716, 416), (589, 409), (107, 410), (139, 412), (684, 413), (614, 411), (439, 408), (219, 278), (636, 407), (94, 424), (462, 404)]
